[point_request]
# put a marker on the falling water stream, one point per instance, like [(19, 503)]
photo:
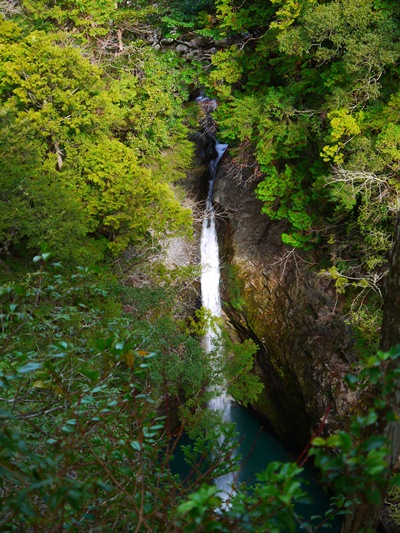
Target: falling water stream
[(210, 296), (257, 446)]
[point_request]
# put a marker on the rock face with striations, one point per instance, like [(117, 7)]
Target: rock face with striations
[(275, 296)]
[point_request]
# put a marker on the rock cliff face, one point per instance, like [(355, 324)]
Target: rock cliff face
[(277, 297)]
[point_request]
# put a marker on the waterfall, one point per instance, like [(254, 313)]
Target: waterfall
[(257, 446), (210, 296)]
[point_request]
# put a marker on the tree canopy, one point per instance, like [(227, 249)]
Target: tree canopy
[(89, 135), (101, 368)]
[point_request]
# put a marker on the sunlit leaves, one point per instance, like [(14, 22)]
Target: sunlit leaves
[(35, 203), (89, 17), (122, 200), (243, 383), (228, 71), (72, 113), (288, 12), (305, 91), (343, 127), (46, 81), (269, 506), (238, 17)]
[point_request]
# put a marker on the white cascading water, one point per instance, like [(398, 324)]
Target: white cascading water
[(210, 296)]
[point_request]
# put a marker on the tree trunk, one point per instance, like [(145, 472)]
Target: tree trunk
[(365, 516)]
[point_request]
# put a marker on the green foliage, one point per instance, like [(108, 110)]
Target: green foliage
[(366, 323), (233, 362), (183, 366), (46, 81), (212, 446), (122, 201), (88, 17), (393, 499), (72, 361), (278, 133), (36, 205), (99, 385), (270, 506), (310, 94), (289, 12), (179, 16), (282, 104), (353, 464), (243, 384), (199, 504), (142, 302), (356, 37), (82, 425), (200, 322), (228, 70), (74, 175), (359, 470), (172, 164), (238, 17), (235, 287), (284, 198), (343, 127), (154, 111), (91, 137)]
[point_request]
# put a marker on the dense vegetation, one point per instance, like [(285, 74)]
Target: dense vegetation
[(311, 90), (101, 365)]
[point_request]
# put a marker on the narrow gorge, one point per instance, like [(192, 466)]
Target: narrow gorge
[(199, 296), (259, 441), (275, 295)]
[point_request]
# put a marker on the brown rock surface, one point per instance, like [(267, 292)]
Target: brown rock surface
[(277, 297)]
